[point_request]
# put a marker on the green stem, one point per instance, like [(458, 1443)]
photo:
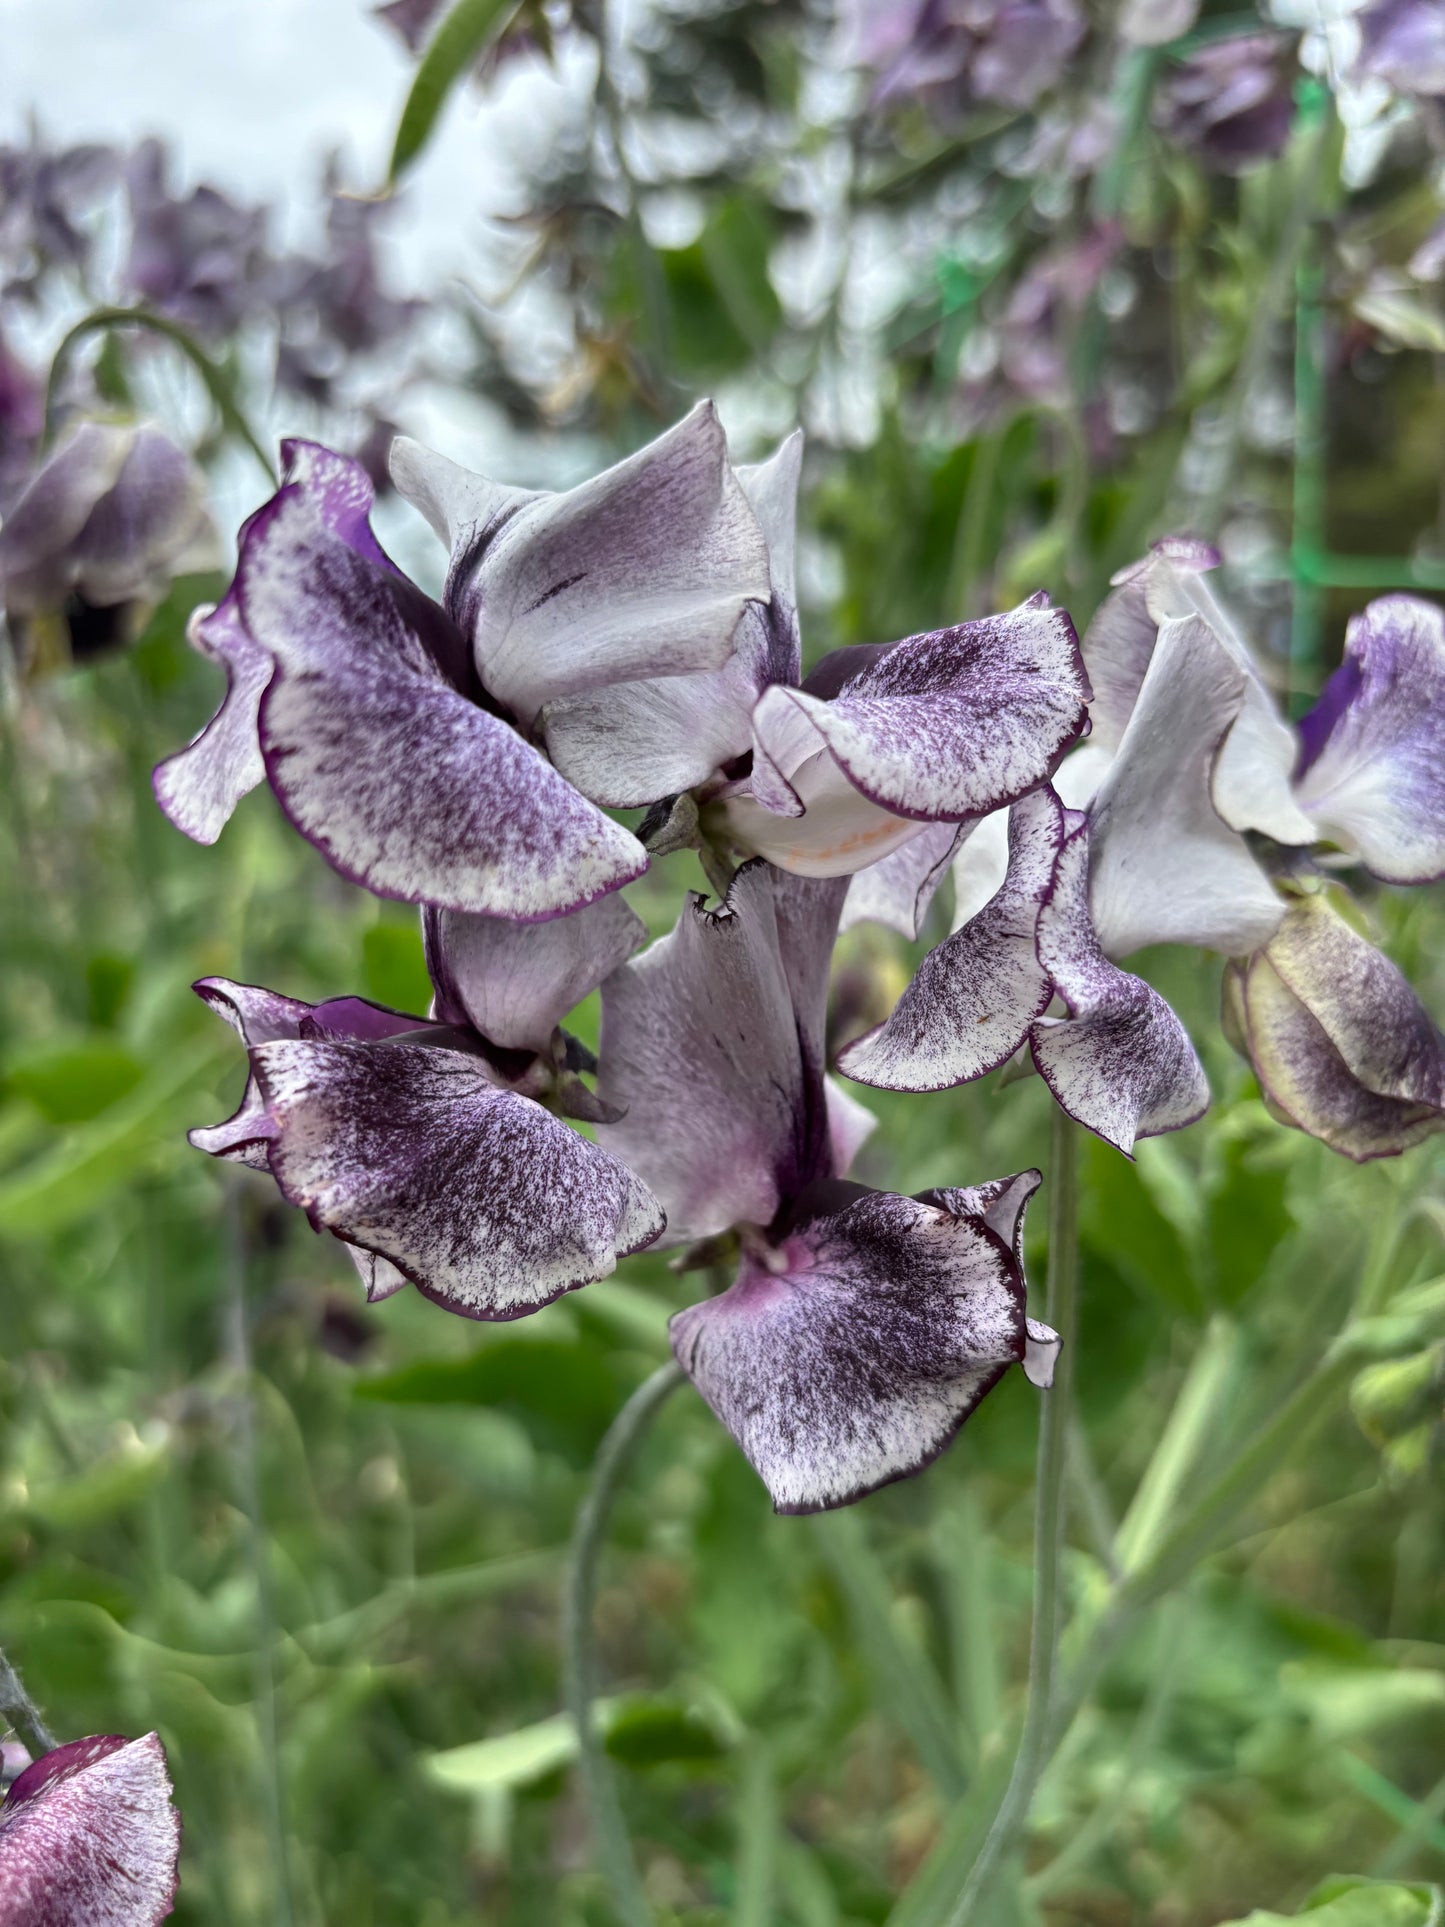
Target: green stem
[(1191, 1418), (579, 1657), (22, 1714), (217, 384), (1049, 1522)]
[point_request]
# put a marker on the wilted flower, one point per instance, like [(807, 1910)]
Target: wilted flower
[(98, 535), (862, 1328), (89, 1837), (1231, 101), (1340, 1043), (431, 1146), (394, 730)]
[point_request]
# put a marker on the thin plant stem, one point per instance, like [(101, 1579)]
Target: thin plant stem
[(22, 1714), (579, 1654), (217, 384), (1049, 1522), (238, 1344), (1190, 1422)]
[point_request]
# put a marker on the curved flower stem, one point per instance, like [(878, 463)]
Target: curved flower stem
[(22, 1714), (218, 385), (579, 1658), (1049, 1521)]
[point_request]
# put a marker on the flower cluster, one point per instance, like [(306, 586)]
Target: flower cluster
[(634, 643)]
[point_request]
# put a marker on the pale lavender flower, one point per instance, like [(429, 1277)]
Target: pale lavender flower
[(89, 1837), (1231, 101), (45, 196), (201, 258), (1402, 42), (100, 533), (862, 1328), (959, 52)]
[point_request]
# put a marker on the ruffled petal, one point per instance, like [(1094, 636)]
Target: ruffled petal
[(897, 890), (1119, 643), (515, 982), (1372, 773), (1120, 1063), (199, 787), (712, 1046), (488, 1203), (90, 1837), (944, 726), (853, 1354), (642, 571), (1166, 867), (972, 1000), (399, 780)]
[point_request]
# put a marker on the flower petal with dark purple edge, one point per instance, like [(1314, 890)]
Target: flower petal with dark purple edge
[(1363, 1003), (852, 1355), (199, 787), (514, 983), (898, 889), (1305, 1080), (488, 1203), (90, 1837), (1120, 1063), (943, 726), (642, 571), (401, 782), (1002, 1203), (628, 744), (972, 1000), (712, 1042), (1166, 867), (1372, 774), (379, 1275)]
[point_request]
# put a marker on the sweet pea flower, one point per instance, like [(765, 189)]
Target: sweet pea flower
[(394, 730), (1340, 1043), (1231, 102), (861, 1328), (823, 774), (432, 1146), (97, 537), (957, 53), (1402, 43), (89, 1837)]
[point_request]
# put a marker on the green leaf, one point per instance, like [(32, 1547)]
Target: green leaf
[(393, 967), (1350, 1901), (457, 44), (71, 1083), (648, 1732), (507, 1763)]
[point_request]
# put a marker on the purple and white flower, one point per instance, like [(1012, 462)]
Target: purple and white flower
[(861, 1328), (89, 1837), (1231, 101), (1340, 1043), (957, 53), (432, 1147), (394, 730), (99, 534)]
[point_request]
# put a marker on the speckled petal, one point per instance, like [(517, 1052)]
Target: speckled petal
[(642, 571), (1121, 1062), (515, 982), (851, 1356), (1305, 1079), (898, 890), (200, 786), (972, 1000), (948, 725), (1373, 770), (712, 1041), (1166, 867), (488, 1203), (89, 1837), (399, 780)]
